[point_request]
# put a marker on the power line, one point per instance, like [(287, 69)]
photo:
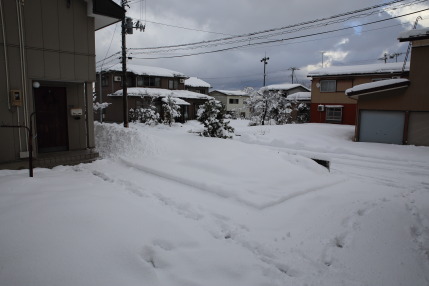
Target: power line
[(190, 29), (215, 44), (111, 40), (205, 46), (281, 40), (251, 35)]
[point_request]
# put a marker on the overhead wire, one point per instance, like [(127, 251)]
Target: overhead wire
[(110, 45), (253, 34), (250, 39), (281, 40), (270, 35)]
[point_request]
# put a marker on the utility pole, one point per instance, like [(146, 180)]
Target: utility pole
[(127, 28), (395, 55), (322, 52), (384, 58), (293, 69), (264, 60), (101, 95), (124, 68)]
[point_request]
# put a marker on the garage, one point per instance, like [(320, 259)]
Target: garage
[(381, 126), (418, 129)]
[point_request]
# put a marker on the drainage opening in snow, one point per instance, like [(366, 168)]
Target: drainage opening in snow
[(324, 163)]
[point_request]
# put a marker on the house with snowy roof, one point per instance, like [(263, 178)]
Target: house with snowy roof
[(146, 86), (329, 104), (287, 88), (234, 102), (48, 71), (140, 97), (396, 111), (197, 85)]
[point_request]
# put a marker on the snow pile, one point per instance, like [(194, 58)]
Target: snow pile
[(112, 141)]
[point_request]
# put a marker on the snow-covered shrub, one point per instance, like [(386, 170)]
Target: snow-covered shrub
[(303, 115), (212, 115), (148, 116), (262, 104), (268, 107), (171, 110), (282, 113), (97, 105)]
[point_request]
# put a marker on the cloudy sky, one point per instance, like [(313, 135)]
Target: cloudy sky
[(235, 62)]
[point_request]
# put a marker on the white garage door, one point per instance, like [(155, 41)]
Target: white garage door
[(418, 129), (381, 126)]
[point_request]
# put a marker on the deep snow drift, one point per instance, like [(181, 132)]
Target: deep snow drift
[(167, 207)]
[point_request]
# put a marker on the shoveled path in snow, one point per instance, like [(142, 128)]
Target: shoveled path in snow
[(345, 221)]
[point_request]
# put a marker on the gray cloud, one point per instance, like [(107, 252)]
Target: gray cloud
[(238, 68)]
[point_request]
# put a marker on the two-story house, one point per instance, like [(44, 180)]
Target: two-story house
[(47, 68), (197, 85), (397, 110), (234, 102), (329, 104), (146, 86)]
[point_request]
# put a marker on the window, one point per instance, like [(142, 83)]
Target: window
[(139, 104), (152, 81), (173, 84), (233, 101), (334, 114), (129, 81), (328, 86), (105, 80), (139, 81)]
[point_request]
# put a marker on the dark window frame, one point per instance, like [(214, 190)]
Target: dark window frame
[(334, 114), (328, 85)]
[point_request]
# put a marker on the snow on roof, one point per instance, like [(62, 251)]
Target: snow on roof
[(146, 70), (159, 92), (232, 92), (417, 33), (196, 82), (176, 100), (298, 96), (379, 68), (284, 86), (376, 86)]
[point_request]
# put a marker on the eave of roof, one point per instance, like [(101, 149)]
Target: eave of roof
[(231, 92), (414, 35), (105, 12), (367, 88), (285, 86), (360, 70)]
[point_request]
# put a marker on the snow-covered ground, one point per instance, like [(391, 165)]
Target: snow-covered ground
[(167, 207)]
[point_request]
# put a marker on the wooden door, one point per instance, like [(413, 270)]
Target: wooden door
[(51, 119)]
